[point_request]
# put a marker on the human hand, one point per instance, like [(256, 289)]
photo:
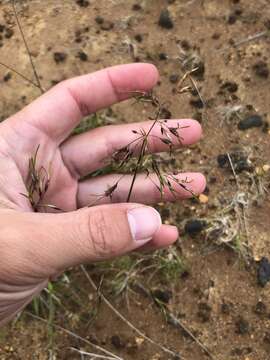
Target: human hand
[(36, 246)]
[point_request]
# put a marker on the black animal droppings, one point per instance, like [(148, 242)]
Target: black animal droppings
[(263, 272), (194, 227), (162, 295), (250, 122), (165, 20), (83, 3), (242, 326), (59, 57), (261, 69), (82, 56), (239, 160)]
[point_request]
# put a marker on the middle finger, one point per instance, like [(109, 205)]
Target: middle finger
[(88, 152)]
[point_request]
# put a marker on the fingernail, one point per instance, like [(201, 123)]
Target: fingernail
[(144, 222)]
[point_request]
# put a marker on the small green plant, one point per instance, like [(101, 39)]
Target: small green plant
[(169, 264)]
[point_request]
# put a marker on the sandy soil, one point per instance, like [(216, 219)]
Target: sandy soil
[(218, 297)]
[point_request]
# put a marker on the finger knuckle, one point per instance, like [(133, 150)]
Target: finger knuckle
[(100, 234)]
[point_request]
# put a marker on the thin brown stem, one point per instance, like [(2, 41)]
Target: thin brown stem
[(19, 74), (27, 48)]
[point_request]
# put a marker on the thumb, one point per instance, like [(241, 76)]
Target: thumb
[(91, 234)]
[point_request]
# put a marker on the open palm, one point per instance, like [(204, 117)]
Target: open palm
[(35, 247)]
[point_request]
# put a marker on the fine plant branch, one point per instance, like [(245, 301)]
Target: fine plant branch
[(155, 102), (19, 74), (146, 162), (27, 48), (127, 322)]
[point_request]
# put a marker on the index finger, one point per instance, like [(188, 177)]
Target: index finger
[(58, 111)]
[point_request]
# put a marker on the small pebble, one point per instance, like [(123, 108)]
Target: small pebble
[(162, 295), (174, 78), (250, 122), (204, 199), (82, 56), (136, 7), (261, 69), (117, 342), (260, 308), (59, 57), (266, 168), (242, 326), (83, 3)]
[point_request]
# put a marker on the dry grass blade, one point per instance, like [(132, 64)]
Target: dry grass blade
[(250, 38), (176, 322), (182, 89), (78, 337), (19, 74), (93, 356), (139, 332)]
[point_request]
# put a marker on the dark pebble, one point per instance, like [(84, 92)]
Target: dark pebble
[(174, 78), (165, 113), (99, 20), (194, 227), (136, 7), (163, 296), (165, 20), (260, 308), (266, 338), (261, 69), (162, 56), (59, 57), (7, 77), (2, 28), (165, 212), (185, 45), (230, 86), (197, 103), (83, 3), (250, 122), (138, 37), (9, 33), (204, 312), (232, 19), (225, 309), (117, 342), (263, 272), (82, 56), (242, 326)]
